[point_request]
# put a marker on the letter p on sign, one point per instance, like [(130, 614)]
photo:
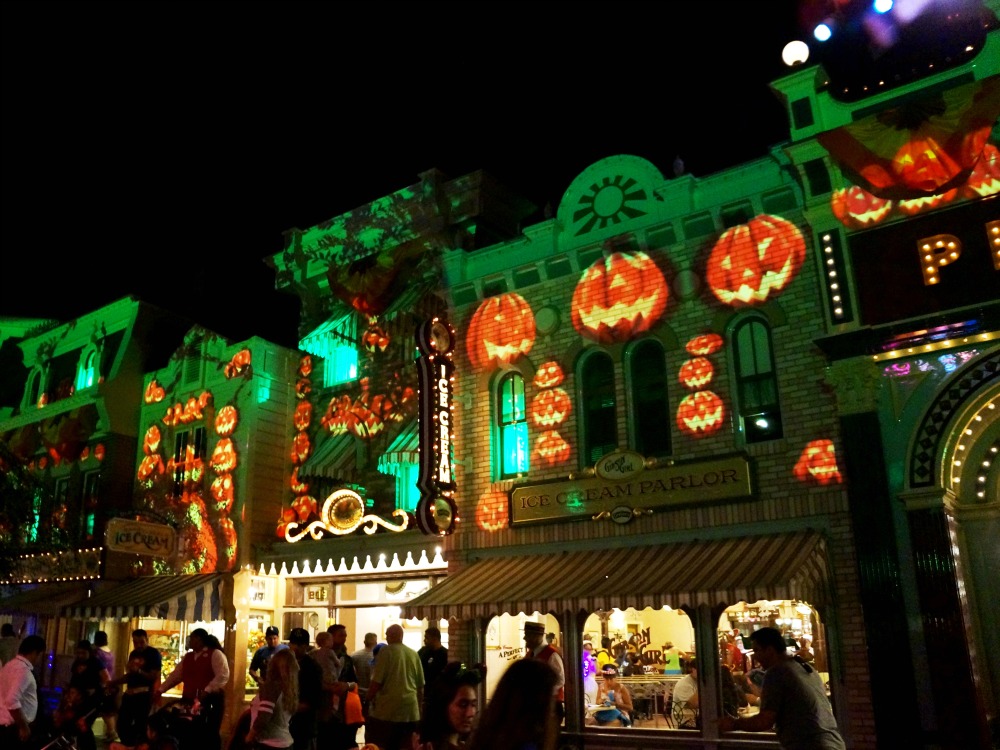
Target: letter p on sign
[(937, 252)]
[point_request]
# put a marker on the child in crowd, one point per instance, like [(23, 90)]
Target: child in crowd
[(72, 719)]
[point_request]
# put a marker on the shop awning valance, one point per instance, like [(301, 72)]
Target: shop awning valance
[(43, 598), (191, 598), (725, 571)]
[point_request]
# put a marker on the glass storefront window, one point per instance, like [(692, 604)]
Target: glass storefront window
[(169, 637)]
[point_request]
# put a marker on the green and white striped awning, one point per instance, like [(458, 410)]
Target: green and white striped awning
[(713, 572), (189, 598)]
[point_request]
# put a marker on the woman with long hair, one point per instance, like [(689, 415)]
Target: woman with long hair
[(521, 714), (450, 707), (273, 706)]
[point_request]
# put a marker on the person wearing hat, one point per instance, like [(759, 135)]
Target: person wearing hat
[(302, 725), (615, 697), (537, 648), (258, 664)]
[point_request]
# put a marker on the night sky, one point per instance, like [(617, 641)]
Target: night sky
[(161, 149)]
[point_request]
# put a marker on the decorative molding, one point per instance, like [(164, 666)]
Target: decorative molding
[(856, 383), (355, 568)]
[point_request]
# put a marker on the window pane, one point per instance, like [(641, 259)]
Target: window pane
[(650, 412), (600, 421), (515, 448), (511, 429)]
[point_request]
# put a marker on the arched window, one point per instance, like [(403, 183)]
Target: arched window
[(35, 387), (86, 374), (511, 426), (756, 382), (650, 415), (600, 423)]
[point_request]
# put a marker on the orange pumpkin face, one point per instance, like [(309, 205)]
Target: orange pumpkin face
[(336, 418), (301, 448), (551, 448), (304, 506), (302, 388), (375, 339), (225, 420), (223, 494), (705, 344), (700, 414), (550, 407), (223, 458), (364, 423), (921, 164), (239, 364), (99, 451), (226, 537), (915, 206), (303, 415), (287, 516), (306, 366), (492, 511), (501, 330), (619, 297), (149, 469), (856, 208), (985, 177), (151, 442), (696, 373), (754, 261), (154, 393), (818, 463), (549, 375), (299, 488)]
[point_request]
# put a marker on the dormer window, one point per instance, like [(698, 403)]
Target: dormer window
[(86, 374)]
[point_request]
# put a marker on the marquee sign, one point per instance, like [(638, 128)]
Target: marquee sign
[(436, 509)]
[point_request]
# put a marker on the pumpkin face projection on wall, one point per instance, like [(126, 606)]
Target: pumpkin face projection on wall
[(223, 459), (304, 506), (619, 297), (151, 441), (227, 544), (306, 366), (222, 494), (301, 448), (298, 487), (705, 344), (287, 516), (550, 407), (696, 373), (985, 177), (551, 448), (238, 365), (150, 468), (914, 206), (501, 330), (754, 261), (700, 414), (818, 463), (492, 511), (549, 375), (856, 208), (921, 164), (302, 416), (154, 393), (375, 339), (225, 420)]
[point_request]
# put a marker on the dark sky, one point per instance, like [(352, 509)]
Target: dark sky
[(161, 149)]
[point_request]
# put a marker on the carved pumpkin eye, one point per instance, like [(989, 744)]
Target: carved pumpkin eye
[(818, 463), (700, 414), (492, 511), (619, 297), (501, 330), (752, 261)]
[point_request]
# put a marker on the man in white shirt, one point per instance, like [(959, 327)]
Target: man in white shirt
[(537, 648), (19, 694), (685, 698), (362, 659)]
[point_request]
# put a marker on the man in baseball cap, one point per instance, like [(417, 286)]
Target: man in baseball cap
[(272, 644)]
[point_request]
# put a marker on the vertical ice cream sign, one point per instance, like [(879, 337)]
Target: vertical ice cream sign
[(436, 510)]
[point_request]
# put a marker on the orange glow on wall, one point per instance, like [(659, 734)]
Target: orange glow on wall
[(225, 420), (238, 365), (501, 330), (151, 441), (551, 407), (223, 458), (856, 208), (696, 373), (921, 164), (301, 448), (620, 296), (303, 415), (492, 511), (154, 393), (985, 177), (754, 261), (549, 375), (818, 463), (551, 448), (700, 414), (223, 494), (705, 344)]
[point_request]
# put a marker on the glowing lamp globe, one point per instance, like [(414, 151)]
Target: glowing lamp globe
[(795, 53)]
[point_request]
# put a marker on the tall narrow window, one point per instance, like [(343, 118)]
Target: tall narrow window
[(86, 375), (88, 517), (756, 382), (600, 424), (189, 458), (650, 413), (511, 426)]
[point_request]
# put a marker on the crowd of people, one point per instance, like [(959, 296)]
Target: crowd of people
[(318, 696)]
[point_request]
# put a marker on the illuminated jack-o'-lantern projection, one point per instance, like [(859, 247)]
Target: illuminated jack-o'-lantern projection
[(922, 164), (501, 330), (287, 516), (551, 448), (620, 296), (985, 177), (238, 365), (550, 407), (696, 373), (302, 388), (151, 441), (301, 448), (99, 452), (336, 419), (700, 414), (298, 487), (549, 375), (306, 366), (856, 208), (149, 469), (493, 511), (85, 453), (225, 420), (375, 339), (154, 393), (304, 506), (302, 417), (705, 344), (914, 206), (223, 459), (754, 261), (227, 544), (190, 411), (818, 463), (200, 549), (223, 494)]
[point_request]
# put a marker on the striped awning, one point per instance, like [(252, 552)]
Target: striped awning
[(190, 598), (41, 599), (713, 572)]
